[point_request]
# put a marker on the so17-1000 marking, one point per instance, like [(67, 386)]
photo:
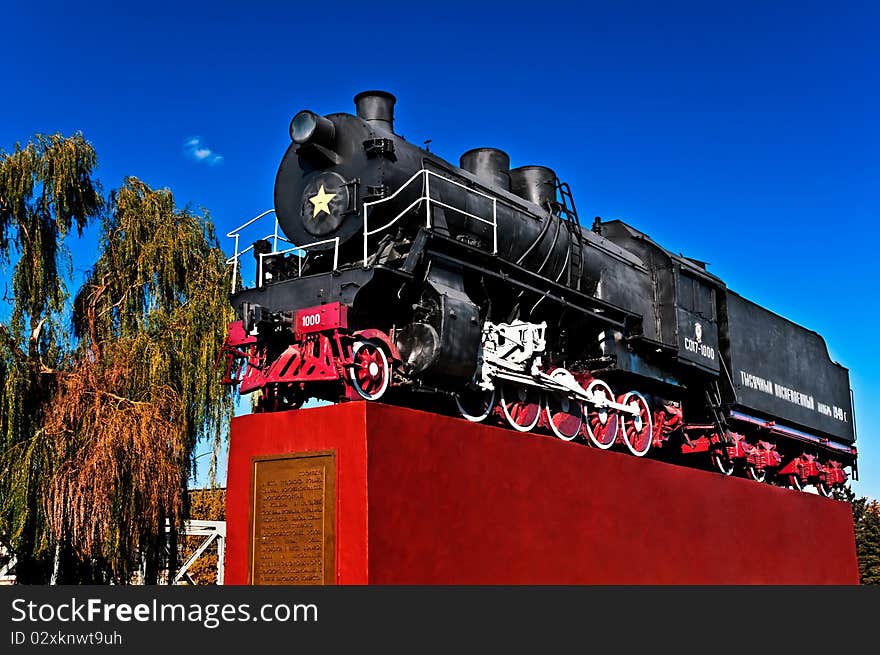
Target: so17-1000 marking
[(699, 348), (696, 344)]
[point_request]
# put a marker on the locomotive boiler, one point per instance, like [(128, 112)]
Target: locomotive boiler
[(474, 288)]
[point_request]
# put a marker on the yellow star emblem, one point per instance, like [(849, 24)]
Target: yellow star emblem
[(321, 201)]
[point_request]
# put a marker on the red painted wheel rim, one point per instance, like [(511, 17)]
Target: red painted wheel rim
[(522, 406), (370, 371), (475, 406), (756, 474), (565, 416), (637, 429), (604, 431)]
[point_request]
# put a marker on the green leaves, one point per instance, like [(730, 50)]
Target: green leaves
[(46, 189), (97, 442), (150, 320)]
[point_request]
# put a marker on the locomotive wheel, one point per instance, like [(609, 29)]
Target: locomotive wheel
[(521, 406), (636, 430), (370, 372), (475, 406), (722, 463), (601, 423), (824, 489), (795, 482), (290, 398), (756, 474), (565, 416)]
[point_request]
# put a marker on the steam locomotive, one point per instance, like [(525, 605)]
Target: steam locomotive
[(399, 276)]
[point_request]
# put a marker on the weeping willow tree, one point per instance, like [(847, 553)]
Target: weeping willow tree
[(143, 389), (47, 189), (97, 433)]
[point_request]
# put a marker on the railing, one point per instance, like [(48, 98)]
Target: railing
[(423, 176), (236, 234), (425, 197), (301, 249), (275, 237)]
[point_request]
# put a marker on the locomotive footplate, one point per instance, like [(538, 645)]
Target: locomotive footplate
[(340, 286)]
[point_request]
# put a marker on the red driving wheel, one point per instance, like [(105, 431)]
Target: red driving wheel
[(370, 371)]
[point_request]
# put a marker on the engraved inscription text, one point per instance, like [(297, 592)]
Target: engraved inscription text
[(292, 529)]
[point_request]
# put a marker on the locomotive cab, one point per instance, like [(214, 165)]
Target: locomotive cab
[(684, 297), (696, 317)]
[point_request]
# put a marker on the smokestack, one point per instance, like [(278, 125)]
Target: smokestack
[(377, 108)]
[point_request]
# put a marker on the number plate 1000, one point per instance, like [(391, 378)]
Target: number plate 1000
[(322, 317)]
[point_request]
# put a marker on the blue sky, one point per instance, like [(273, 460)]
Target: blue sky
[(744, 134)]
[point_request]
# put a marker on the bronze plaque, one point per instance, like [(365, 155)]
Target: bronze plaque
[(293, 519)]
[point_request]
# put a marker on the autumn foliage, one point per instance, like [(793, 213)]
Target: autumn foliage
[(98, 427)]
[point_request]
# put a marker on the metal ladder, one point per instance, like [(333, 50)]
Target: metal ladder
[(569, 215), (713, 400)]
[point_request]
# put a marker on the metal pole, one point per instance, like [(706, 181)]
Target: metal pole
[(235, 264), (221, 557), (428, 200), (366, 232), (494, 226), (275, 236)]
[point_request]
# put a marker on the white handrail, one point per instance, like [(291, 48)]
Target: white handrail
[(423, 174), (334, 241), (275, 237), (236, 233), (237, 230), (251, 247), (397, 218), (426, 197)]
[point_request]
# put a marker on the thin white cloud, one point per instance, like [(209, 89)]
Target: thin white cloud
[(195, 148)]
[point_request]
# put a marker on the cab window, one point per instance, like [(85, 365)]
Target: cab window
[(696, 297)]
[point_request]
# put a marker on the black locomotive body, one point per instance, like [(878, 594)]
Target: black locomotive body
[(409, 279)]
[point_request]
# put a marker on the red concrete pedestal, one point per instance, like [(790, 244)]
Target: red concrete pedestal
[(427, 499)]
